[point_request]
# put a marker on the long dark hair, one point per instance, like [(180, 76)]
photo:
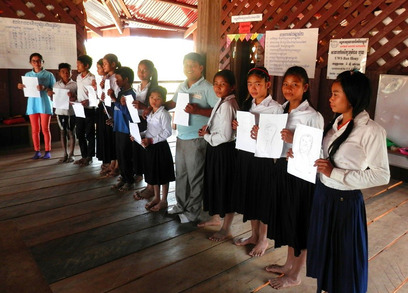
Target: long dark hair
[(356, 87), (153, 76), (301, 73)]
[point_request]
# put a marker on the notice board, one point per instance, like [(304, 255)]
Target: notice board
[(56, 42)]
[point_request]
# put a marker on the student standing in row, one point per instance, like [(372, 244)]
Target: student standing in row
[(190, 148), (255, 177), (356, 152), (66, 118), (39, 110), (147, 73), (220, 156), (159, 167), (85, 127), (289, 213)]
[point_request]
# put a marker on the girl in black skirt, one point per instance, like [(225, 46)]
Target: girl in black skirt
[(220, 155), (159, 167), (290, 212), (356, 152), (254, 177)]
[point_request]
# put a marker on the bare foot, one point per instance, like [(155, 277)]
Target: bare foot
[(161, 205), (277, 269), (220, 236), (259, 248), (151, 204), (246, 241), (214, 221), (284, 282)]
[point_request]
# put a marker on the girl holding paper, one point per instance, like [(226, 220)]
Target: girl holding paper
[(356, 152), (39, 109), (254, 177), (220, 156), (289, 216)]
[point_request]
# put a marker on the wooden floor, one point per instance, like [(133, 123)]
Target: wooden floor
[(63, 228)]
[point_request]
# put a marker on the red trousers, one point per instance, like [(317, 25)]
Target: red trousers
[(41, 120)]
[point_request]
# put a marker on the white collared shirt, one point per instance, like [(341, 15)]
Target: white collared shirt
[(362, 160), (219, 124), (82, 82), (141, 96), (304, 114), (267, 106), (158, 125)]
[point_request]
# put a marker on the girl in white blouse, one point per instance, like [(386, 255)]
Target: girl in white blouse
[(354, 148), (220, 156), (159, 167)]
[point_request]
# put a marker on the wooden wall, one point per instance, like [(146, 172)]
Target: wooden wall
[(383, 22)]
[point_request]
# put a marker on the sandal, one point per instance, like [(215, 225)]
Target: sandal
[(160, 206), (70, 159), (126, 187), (144, 194), (63, 159)]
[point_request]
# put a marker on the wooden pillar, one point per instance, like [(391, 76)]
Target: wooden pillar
[(207, 40)]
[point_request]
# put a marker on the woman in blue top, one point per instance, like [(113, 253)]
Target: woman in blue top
[(40, 109)]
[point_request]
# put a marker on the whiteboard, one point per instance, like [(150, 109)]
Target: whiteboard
[(392, 107), (56, 42)]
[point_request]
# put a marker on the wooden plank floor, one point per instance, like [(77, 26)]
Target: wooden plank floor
[(84, 237)]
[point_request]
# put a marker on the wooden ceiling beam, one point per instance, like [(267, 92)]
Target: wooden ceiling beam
[(165, 26), (190, 30), (114, 15), (124, 8), (182, 5), (94, 29)]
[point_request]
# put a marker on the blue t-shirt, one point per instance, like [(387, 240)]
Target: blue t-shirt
[(121, 115), (201, 93), (41, 105)]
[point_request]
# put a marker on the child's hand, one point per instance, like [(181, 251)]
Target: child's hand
[(289, 154), (146, 112), (20, 86), (132, 138), (94, 84), (192, 108), (103, 96), (146, 142), (324, 167), (109, 122), (102, 84), (110, 92), (123, 101), (138, 105), (203, 131), (41, 87), (254, 131), (85, 103), (234, 124), (50, 93), (287, 135)]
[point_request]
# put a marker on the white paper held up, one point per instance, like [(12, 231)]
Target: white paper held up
[(79, 110), (181, 117), (30, 87), (246, 121), (134, 114), (60, 99), (269, 143)]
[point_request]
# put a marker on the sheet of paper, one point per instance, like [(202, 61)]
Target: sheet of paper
[(93, 99), (269, 143), (30, 89), (246, 121), (108, 99), (132, 110), (306, 147), (134, 131), (79, 110), (60, 99), (181, 117)]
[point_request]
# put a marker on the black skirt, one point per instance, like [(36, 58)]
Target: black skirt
[(218, 178), (159, 166), (105, 137), (337, 250), (289, 222)]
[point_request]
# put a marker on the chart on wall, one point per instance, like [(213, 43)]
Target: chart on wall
[(392, 107), (56, 42)]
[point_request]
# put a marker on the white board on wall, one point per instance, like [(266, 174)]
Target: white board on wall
[(392, 107), (56, 42)]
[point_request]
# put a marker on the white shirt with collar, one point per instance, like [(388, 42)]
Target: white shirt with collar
[(304, 114), (267, 106), (141, 96), (82, 82), (158, 125), (362, 159), (219, 124)]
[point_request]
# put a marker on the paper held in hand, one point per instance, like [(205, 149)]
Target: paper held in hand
[(181, 117), (134, 114), (60, 99), (30, 87)]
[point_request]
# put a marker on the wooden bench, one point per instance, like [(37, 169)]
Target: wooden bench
[(18, 269)]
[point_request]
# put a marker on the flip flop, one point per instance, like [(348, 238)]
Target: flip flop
[(160, 206)]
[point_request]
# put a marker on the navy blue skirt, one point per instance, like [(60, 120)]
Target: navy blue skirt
[(337, 244), (158, 164), (218, 178)]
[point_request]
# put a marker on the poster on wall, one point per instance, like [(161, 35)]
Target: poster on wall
[(392, 107), (346, 54), (286, 48), (56, 42)]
